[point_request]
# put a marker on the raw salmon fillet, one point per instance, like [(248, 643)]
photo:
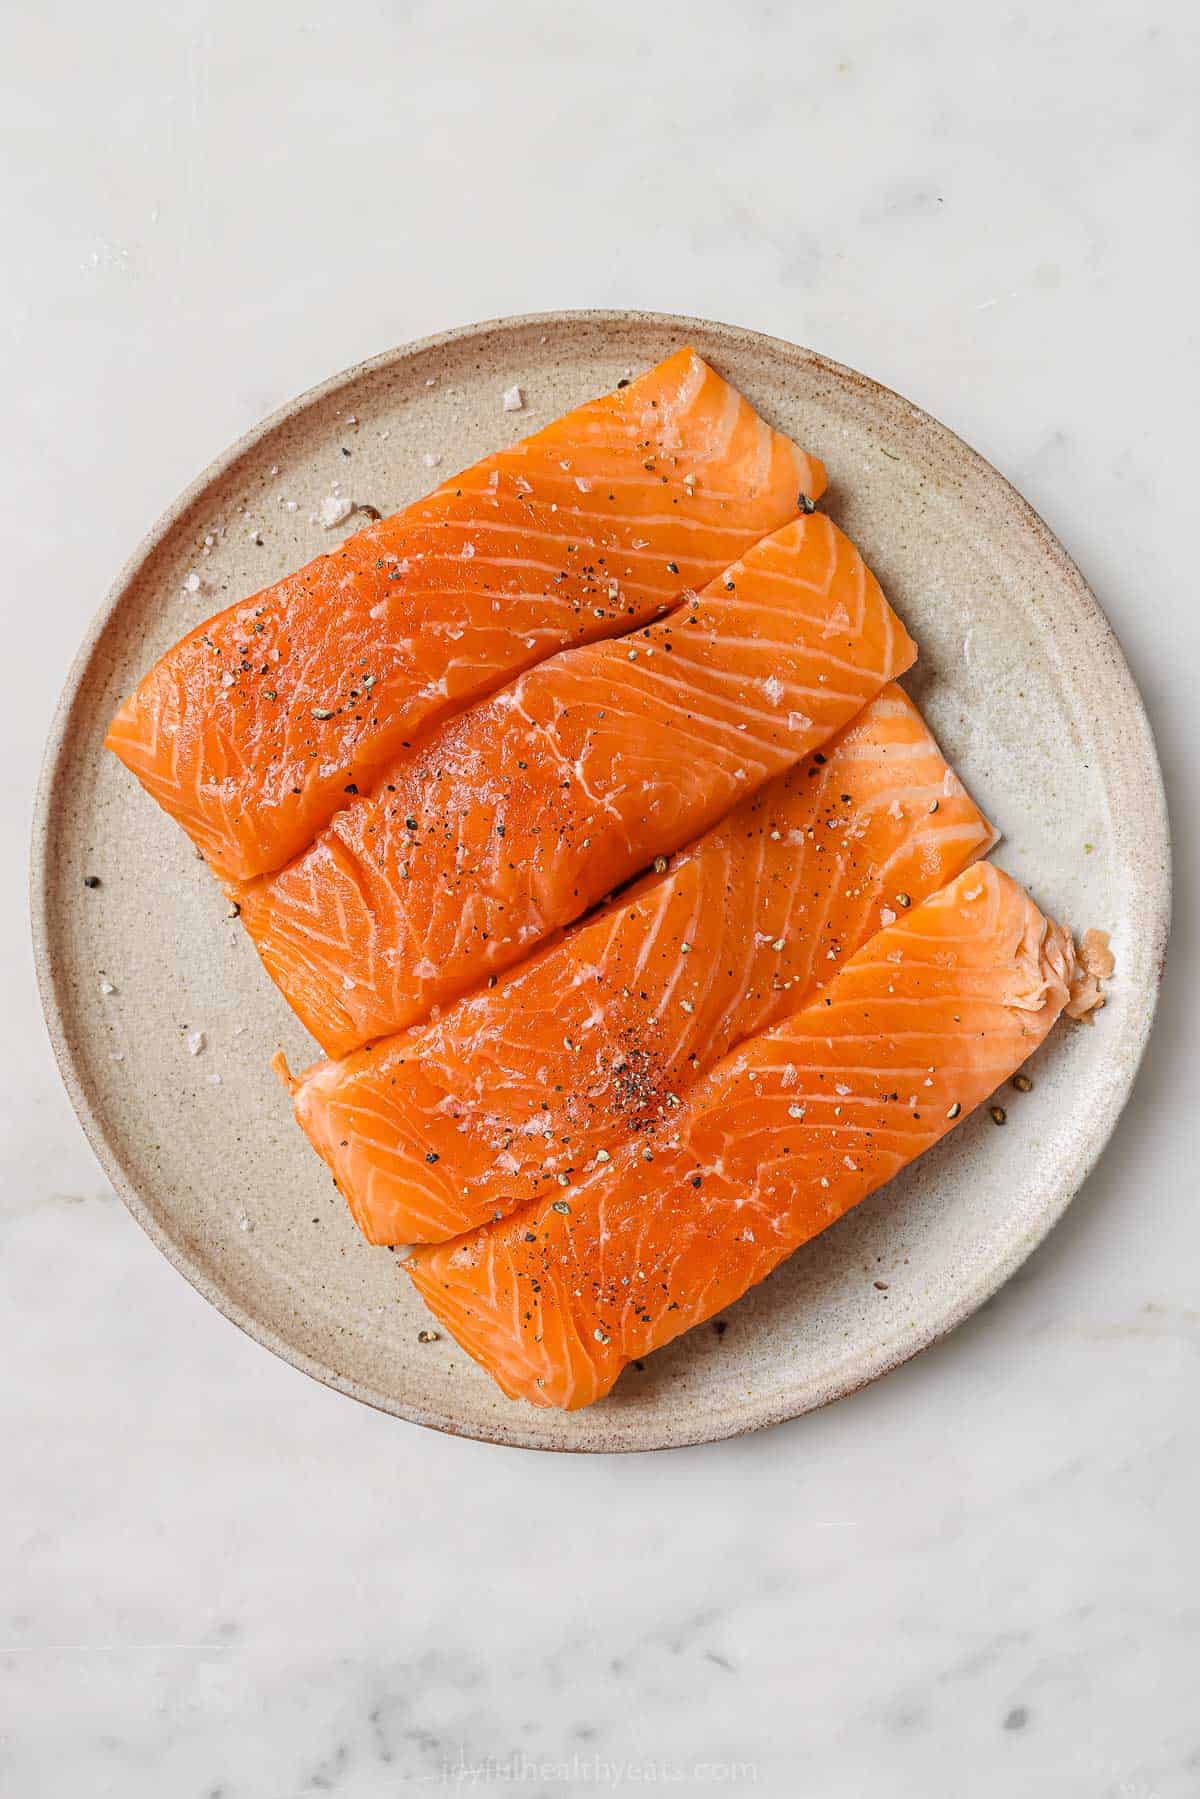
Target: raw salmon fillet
[(250, 730), (780, 1139), (590, 1043), (515, 817)]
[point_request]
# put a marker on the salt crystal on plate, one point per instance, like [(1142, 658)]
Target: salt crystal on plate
[(431, 458), (192, 582), (195, 1042), (514, 399), (335, 510), (106, 985)]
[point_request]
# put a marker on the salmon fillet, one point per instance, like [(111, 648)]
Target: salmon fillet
[(513, 819), (250, 730), (590, 1043), (777, 1141)]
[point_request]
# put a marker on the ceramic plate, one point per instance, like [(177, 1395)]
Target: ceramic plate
[(1020, 677)]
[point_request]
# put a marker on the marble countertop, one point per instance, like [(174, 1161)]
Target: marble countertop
[(219, 1580)]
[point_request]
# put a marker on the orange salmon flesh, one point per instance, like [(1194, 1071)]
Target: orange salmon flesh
[(781, 1138), (590, 1043), (250, 730), (517, 816)]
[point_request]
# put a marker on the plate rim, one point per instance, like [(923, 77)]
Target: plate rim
[(677, 1432)]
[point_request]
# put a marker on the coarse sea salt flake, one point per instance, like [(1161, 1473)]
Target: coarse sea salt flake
[(335, 510), (514, 399)]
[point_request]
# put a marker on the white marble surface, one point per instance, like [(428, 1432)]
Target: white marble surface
[(218, 1579)]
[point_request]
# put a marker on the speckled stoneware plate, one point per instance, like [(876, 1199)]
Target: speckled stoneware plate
[(1021, 679)]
